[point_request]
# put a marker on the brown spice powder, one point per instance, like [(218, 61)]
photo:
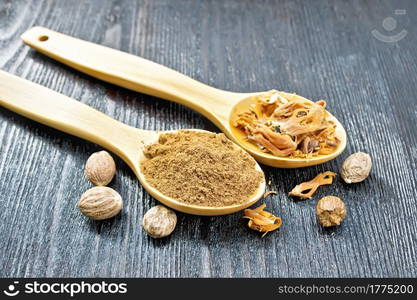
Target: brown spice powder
[(201, 168)]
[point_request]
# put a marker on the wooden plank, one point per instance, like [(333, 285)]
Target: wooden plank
[(321, 50)]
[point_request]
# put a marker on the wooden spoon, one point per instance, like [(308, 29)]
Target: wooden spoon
[(141, 75), (71, 116)]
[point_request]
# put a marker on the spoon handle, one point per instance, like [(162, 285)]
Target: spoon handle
[(63, 113), (130, 71)]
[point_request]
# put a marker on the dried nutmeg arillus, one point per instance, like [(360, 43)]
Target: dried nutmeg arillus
[(308, 188), (356, 168), (100, 202), (330, 211), (100, 168), (159, 221), (261, 220)]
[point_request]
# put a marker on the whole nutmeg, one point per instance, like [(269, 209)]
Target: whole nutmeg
[(356, 167), (100, 168), (330, 211), (159, 221), (100, 202)]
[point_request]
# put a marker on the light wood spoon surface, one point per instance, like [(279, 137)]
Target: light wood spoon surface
[(71, 116), (141, 75)]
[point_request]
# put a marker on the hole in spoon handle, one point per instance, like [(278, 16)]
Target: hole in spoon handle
[(43, 38)]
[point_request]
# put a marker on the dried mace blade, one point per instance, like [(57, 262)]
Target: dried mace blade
[(266, 194), (307, 189), (261, 220)]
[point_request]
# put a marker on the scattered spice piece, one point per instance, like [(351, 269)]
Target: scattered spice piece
[(288, 125), (330, 211), (266, 194), (307, 189), (100, 168), (261, 220), (201, 168), (269, 182), (100, 203), (159, 221), (356, 167)]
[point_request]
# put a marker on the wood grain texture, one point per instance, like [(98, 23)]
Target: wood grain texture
[(321, 50)]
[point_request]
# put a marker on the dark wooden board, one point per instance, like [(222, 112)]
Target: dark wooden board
[(320, 50)]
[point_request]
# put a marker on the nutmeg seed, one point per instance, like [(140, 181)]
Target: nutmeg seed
[(100, 168), (330, 211), (356, 167), (100, 202), (159, 221)]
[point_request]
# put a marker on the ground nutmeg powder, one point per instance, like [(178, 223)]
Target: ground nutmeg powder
[(201, 168)]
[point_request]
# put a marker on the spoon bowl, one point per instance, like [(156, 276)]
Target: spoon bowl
[(276, 161), (71, 116), (141, 75)]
